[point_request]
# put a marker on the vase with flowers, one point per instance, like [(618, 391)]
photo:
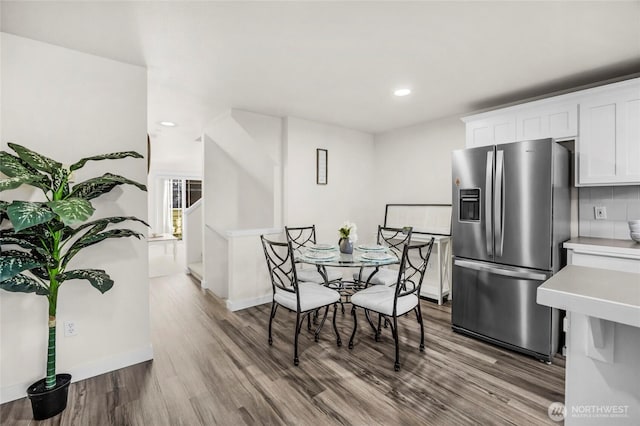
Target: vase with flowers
[(348, 236)]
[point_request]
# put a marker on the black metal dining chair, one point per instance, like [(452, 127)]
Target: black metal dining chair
[(302, 238), (397, 300), (299, 297), (394, 239)]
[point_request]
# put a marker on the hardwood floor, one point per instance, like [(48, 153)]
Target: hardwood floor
[(215, 367)]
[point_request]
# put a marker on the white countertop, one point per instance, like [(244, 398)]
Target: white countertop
[(605, 246), (599, 293)]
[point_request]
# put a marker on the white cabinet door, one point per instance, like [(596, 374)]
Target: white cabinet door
[(628, 141), (609, 146), (491, 130), (548, 121)]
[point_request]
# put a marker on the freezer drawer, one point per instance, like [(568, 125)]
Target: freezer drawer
[(500, 304)]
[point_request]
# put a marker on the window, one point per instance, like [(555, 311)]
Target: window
[(182, 193)]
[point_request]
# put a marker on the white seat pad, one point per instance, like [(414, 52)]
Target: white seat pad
[(384, 276), (312, 296), (380, 299), (313, 276)]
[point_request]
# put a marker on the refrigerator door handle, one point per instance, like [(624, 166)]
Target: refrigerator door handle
[(487, 204), (499, 203), (515, 273)]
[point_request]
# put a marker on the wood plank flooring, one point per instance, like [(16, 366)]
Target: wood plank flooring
[(215, 367)]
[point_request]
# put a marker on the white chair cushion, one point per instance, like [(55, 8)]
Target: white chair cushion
[(380, 299), (312, 296), (384, 276), (313, 276)]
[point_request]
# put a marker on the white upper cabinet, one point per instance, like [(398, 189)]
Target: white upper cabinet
[(552, 120), (607, 137), (608, 150), (492, 130), (535, 120)]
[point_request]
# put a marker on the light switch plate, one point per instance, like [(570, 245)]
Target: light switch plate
[(600, 212)]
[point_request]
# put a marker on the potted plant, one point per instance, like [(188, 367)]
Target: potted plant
[(41, 238), (348, 236)]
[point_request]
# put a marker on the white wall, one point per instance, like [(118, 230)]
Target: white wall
[(242, 191), (414, 163), (67, 105), (193, 232), (234, 199), (350, 190)]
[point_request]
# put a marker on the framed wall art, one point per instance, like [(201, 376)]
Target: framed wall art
[(321, 166)]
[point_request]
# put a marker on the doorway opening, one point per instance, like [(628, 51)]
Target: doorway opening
[(183, 193), (170, 196)]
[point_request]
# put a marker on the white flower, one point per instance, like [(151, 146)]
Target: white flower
[(348, 230)]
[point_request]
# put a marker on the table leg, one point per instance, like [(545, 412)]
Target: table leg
[(439, 273)]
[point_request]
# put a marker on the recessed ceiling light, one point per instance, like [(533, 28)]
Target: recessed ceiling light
[(168, 124), (402, 92)]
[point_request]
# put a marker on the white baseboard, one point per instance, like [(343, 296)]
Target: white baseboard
[(84, 371), (236, 305)]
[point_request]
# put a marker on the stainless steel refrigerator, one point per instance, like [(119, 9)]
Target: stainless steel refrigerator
[(511, 213)]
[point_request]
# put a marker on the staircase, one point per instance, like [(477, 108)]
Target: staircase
[(196, 270), (193, 228), (243, 196)]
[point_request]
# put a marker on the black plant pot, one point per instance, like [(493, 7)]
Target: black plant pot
[(48, 403)]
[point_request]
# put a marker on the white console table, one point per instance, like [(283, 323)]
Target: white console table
[(164, 239), (437, 279), (428, 220)]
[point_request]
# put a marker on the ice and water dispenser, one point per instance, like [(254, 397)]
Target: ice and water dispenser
[(469, 205)]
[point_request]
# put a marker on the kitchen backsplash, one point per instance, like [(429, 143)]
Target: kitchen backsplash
[(622, 204)]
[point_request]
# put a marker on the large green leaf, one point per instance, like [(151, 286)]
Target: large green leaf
[(101, 224), (3, 211), (25, 214), (112, 156), (41, 273), (72, 210), (95, 187), (13, 166), (12, 262), (60, 180), (90, 239), (26, 243), (37, 234), (35, 160), (16, 181), (97, 277), (24, 284)]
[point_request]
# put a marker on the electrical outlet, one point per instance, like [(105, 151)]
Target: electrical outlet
[(70, 329), (600, 212)]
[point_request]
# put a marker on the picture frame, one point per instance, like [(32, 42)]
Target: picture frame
[(322, 159)]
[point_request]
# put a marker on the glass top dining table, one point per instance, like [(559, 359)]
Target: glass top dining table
[(360, 258)]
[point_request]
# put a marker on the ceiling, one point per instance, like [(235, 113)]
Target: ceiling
[(338, 62)]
